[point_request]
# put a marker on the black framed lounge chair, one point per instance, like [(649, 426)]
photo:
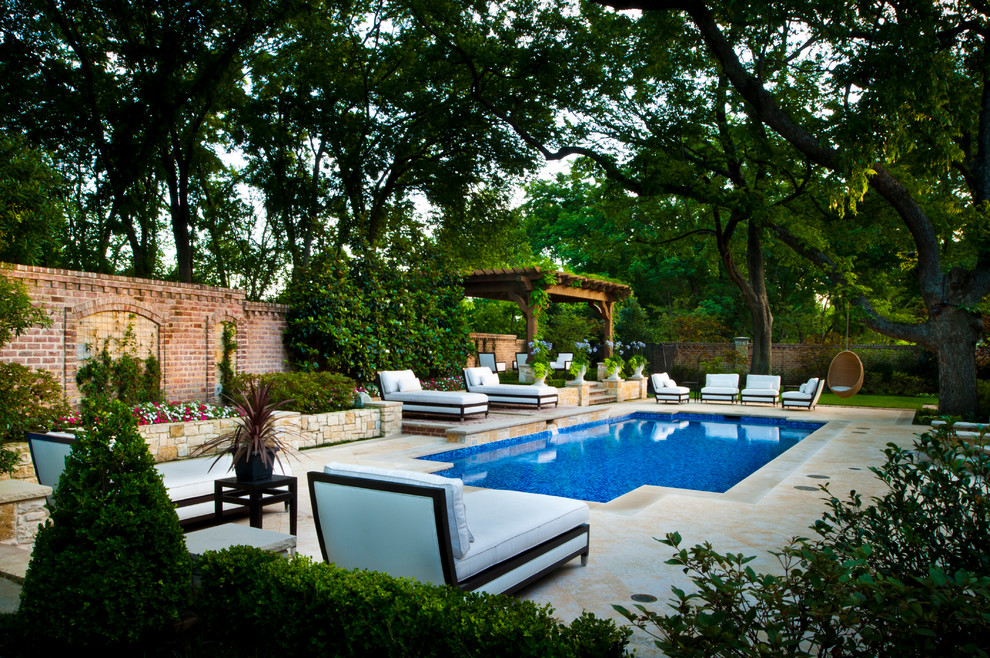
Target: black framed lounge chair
[(720, 388), (761, 389), (487, 360), (666, 389), (563, 361), (520, 360), (806, 397), (424, 526), (483, 380), (403, 386)]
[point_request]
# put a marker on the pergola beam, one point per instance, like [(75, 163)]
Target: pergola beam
[(515, 285)]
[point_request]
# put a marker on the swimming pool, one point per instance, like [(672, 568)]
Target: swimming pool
[(603, 460)]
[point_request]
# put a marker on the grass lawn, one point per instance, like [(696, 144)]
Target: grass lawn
[(888, 401)]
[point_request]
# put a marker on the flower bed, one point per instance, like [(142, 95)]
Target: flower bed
[(154, 413)]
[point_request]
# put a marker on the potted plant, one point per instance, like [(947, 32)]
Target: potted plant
[(579, 365), (614, 365), (539, 360), (637, 361), (255, 443)]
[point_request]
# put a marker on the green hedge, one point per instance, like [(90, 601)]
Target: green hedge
[(378, 312), (308, 392), (256, 603)]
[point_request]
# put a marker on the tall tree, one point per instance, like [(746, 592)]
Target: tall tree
[(132, 84), (909, 119)]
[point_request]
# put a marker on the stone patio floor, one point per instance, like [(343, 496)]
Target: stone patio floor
[(759, 514)]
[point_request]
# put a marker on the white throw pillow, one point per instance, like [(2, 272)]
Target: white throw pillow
[(489, 379), (460, 535), (409, 385)]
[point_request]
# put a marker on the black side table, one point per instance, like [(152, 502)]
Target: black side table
[(255, 495)]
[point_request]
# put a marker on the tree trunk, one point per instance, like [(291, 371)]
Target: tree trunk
[(956, 333), (762, 329)]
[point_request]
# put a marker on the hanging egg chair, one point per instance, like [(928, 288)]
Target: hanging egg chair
[(845, 374)]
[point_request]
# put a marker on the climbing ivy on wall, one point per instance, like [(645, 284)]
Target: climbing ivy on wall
[(360, 315)]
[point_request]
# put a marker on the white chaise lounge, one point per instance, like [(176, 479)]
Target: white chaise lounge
[(666, 389), (403, 386), (720, 388), (761, 389), (189, 482), (483, 380), (424, 526), (806, 397), (563, 361)]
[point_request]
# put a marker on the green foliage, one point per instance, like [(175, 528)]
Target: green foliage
[(260, 604), (110, 568), (305, 392), (378, 312), (118, 373), (16, 311), (31, 212), (226, 365), (30, 400), (902, 574)]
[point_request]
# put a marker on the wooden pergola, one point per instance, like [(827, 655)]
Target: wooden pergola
[(516, 284)]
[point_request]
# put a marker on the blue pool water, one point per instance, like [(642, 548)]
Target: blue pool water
[(603, 460)]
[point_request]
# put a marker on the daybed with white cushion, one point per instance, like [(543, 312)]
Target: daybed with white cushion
[(483, 380), (563, 361), (720, 388), (761, 388), (667, 390), (189, 482), (806, 397), (403, 386), (424, 526)]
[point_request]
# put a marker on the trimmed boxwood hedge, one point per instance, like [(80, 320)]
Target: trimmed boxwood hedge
[(257, 603), (308, 392)]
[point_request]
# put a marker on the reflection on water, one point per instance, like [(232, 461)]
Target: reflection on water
[(608, 460)]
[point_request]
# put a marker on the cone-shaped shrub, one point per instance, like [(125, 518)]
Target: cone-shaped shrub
[(110, 567)]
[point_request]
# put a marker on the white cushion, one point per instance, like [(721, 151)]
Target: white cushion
[(474, 375), (460, 536), (490, 379), (718, 390), (727, 380), (760, 392), (795, 395), (391, 378), (507, 523), (661, 380), (409, 385), (763, 382)]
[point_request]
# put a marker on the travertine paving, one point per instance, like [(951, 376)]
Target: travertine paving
[(759, 514)]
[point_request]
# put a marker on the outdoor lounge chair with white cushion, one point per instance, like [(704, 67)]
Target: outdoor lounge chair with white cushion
[(483, 380), (403, 386), (487, 360), (720, 388), (667, 390), (424, 526), (806, 397), (520, 360), (189, 482), (761, 388), (563, 361)]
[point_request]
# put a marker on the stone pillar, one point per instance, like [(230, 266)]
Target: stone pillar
[(615, 386), (22, 509), (584, 392)]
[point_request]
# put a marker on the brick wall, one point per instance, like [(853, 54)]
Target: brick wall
[(794, 362), (505, 347), (179, 323)]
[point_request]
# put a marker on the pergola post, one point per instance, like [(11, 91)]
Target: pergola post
[(532, 323), (604, 310)]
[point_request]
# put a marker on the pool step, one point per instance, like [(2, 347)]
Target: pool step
[(600, 395)]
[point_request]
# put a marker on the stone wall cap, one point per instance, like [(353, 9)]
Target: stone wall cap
[(12, 491)]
